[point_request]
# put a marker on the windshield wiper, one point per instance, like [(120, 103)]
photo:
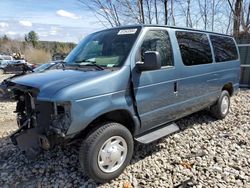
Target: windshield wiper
[(92, 63), (62, 63)]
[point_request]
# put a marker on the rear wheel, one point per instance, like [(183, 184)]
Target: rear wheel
[(221, 108), (106, 152)]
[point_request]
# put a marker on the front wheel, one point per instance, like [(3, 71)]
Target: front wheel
[(106, 152), (221, 108)]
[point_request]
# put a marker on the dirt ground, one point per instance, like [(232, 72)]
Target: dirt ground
[(7, 117)]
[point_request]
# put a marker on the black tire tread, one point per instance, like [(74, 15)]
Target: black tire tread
[(215, 109)]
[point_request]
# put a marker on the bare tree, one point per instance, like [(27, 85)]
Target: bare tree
[(245, 21), (188, 17), (141, 10), (213, 14), (229, 19), (237, 16), (204, 12), (156, 12), (165, 2), (104, 9), (185, 11), (148, 5), (130, 11), (172, 12)]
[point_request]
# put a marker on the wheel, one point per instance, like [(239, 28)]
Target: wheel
[(106, 152), (221, 108), (1, 71)]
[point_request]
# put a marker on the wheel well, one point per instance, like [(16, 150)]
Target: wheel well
[(229, 88), (119, 116)]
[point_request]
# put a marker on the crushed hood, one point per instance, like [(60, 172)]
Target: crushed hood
[(49, 82)]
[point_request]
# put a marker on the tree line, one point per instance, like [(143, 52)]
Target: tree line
[(31, 40), (224, 16), (34, 50)]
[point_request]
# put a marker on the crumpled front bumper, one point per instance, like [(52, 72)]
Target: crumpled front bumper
[(28, 141), (32, 141)]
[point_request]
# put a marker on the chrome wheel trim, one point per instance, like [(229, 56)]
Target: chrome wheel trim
[(112, 154), (224, 105)]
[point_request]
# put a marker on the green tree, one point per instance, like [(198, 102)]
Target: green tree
[(5, 38), (31, 37)]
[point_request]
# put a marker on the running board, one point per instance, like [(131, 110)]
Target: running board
[(158, 133)]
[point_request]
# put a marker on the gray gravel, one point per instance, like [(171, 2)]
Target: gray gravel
[(206, 153)]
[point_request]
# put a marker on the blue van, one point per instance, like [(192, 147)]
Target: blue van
[(123, 85)]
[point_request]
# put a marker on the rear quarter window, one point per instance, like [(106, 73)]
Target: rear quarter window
[(224, 48), (194, 47)]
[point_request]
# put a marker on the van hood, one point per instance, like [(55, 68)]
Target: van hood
[(49, 82)]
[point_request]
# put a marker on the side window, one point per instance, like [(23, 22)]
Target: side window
[(158, 40), (224, 48), (194, 47)]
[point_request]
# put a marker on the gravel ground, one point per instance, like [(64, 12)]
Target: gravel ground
[(206, 153)]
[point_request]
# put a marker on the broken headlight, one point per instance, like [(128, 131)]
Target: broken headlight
[(61, 118)]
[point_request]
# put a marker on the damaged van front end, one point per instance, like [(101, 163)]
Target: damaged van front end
[(42, 124)]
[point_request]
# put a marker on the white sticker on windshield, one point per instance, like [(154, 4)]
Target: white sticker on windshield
[(110, 65), (127, 32)]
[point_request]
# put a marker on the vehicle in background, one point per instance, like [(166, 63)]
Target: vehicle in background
[(14, 66), (122, 85), (59, 56), (6, 58), (26, 69)]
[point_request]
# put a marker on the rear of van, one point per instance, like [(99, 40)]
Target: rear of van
[(210, 66)]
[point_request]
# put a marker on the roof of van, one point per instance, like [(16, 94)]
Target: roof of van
[(173, 27)]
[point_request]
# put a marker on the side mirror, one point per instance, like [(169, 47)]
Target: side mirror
[(152, 61)]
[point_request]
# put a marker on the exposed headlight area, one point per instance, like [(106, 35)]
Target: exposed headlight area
[(47, 116), (61, 118)]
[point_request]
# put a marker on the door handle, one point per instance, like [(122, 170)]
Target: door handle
[(175, 88)]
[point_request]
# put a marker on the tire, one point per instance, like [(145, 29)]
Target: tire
[(1, 71), (111, 144), (221, 108)]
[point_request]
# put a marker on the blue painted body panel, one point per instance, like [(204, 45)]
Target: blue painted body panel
[(93, 93)]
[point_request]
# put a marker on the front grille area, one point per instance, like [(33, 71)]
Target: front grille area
[(44, 111)]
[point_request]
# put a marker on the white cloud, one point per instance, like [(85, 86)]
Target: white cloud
[(4, 25), (67, 14), (25, 23), (43, 34), (11, 33), (54, 30)]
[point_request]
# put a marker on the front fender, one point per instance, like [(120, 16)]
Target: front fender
[(85, 111)]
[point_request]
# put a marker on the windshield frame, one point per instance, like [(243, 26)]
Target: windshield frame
[(71, 59)]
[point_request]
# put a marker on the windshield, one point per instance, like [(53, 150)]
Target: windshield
[(108, 48)]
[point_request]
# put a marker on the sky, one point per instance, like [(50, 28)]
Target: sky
[(52, 20)]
